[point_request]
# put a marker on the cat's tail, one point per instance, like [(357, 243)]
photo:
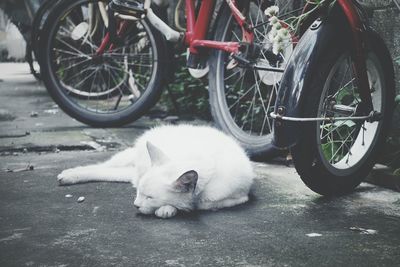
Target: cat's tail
[(97, 173)]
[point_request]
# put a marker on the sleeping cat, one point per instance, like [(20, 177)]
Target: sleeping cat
[(175, 168)]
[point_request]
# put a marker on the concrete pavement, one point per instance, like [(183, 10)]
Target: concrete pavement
[(284, 224)]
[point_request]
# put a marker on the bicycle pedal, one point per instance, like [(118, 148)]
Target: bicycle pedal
[(196, 61), (241, 61), (127, 7), (197, 65), (199, 73)]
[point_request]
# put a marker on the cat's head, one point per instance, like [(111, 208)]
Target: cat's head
[(165, 183)]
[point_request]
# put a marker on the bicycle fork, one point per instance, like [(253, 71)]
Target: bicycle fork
[(348, 22)]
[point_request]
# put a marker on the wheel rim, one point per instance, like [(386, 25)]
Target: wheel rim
[(345, 145), (109, 84), (249, 95)]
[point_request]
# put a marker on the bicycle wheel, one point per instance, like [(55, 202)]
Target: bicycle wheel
[(34, 45), (333, 158), (242, 98), (108, 89)]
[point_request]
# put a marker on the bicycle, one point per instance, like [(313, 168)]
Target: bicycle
[(105, 89), (229, 108), (311, 114), (336, 99)]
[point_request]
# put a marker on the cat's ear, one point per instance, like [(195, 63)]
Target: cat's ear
[(157, 157), (186, 182)]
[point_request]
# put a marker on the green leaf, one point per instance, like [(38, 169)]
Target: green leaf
[(347, 123), (327, 150)]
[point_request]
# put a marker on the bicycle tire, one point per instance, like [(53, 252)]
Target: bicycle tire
[(34, 44), (258, 146), (58, 91), (338, 175)]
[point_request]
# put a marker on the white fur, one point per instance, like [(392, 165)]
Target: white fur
[(164, 154)]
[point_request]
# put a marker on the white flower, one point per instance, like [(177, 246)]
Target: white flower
[(279, 43), (272, 34), (278, 39), (277, 26), (284, 33), (277, 48), (271, 11), (273, 20)]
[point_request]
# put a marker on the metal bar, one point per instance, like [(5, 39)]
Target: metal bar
[(169, 33), (344, 108), (279, 117), (104, 43), (190, 21), (202, 22), (123, 25), (231, 47), (125, 17), (269, 69), (248, 34), (103, 13), (236, 12)]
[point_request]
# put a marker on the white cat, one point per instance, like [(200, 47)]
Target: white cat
[(175, 168)]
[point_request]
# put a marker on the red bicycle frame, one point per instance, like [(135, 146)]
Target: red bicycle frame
[(359, 57), (196, 29)]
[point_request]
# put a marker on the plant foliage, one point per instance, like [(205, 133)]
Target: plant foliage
[(186, 95)]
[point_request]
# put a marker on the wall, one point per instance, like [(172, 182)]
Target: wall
[(386, 21), (12, 43)]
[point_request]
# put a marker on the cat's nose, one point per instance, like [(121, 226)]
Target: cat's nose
[(136, 206)]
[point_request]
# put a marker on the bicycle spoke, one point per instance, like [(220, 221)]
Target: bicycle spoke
[(241, 97), (86, 78), (64, 58), (259, 93), (74, 65), (232, 75), (73, 48), (244, 118), (231, 87), (116, 60), (77, 74), (70, 53), (237, 106), (343, 87), (249, 96), (342, 144)]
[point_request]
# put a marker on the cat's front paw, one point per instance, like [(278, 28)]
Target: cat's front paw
[(66, 177), (166, 212)]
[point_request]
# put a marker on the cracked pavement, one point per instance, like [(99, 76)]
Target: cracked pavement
[(284, 224)]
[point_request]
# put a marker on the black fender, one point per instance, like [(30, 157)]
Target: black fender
[(326, 32)]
